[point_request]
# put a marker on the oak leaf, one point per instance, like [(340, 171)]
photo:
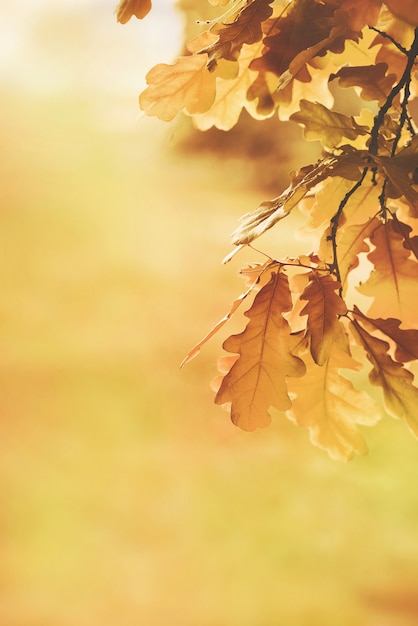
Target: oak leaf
[(399, 393), (245, 29), (185, 85), (328, 126), (372, 80), (127, 8), (231, 94), (257, 380), (405, 340), (329, 405), (323, 309), (393, 281)]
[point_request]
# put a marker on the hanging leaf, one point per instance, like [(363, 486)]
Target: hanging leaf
[(394, 273), (257, 380), (323, 309), (406, 340), (244, 29), (328, 404), (185, 85), (328, 126), (372, 81), (399, 393)]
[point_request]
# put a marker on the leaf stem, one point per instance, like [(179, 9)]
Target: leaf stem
[(335, 222), (404, 81)]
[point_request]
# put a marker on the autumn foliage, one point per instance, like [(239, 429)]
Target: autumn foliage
[(350, 303)]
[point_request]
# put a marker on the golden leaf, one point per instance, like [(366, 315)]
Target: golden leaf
[(328, 126), (231, 92), (257, 380), (371, 79), (399, 393), (328, 404), (323, 308), (185, 85), (244, 29), (393, 282), (127, 8)]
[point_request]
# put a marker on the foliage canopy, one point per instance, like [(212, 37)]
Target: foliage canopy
[(309, 326)]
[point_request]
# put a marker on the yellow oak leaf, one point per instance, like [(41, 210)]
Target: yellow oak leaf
[(323, 309), (185, 85), (328, 126), (330, 406), (393, 281), (399, 393), (257, 380), (231, 95), (127, 8)]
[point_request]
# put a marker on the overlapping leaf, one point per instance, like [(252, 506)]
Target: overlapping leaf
[(394, 273), (185, 85), (257, 380), (399, 393), (328, 404), (330, 127), (372, 80), (323, 309), (244, 29), (405, 340)]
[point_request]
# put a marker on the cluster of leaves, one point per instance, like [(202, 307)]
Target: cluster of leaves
[(350, 302)]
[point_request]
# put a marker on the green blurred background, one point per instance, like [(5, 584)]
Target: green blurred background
[(127, 497)]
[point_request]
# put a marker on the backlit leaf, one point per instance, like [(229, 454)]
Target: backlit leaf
[(393, 282), (406, 340), (328, 126), (257, 380), (328, 404), (399, 393), (185, 85), (323, 309), (244, 29), (372, 80)]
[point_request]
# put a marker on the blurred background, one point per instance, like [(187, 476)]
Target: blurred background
[(126, 497)]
